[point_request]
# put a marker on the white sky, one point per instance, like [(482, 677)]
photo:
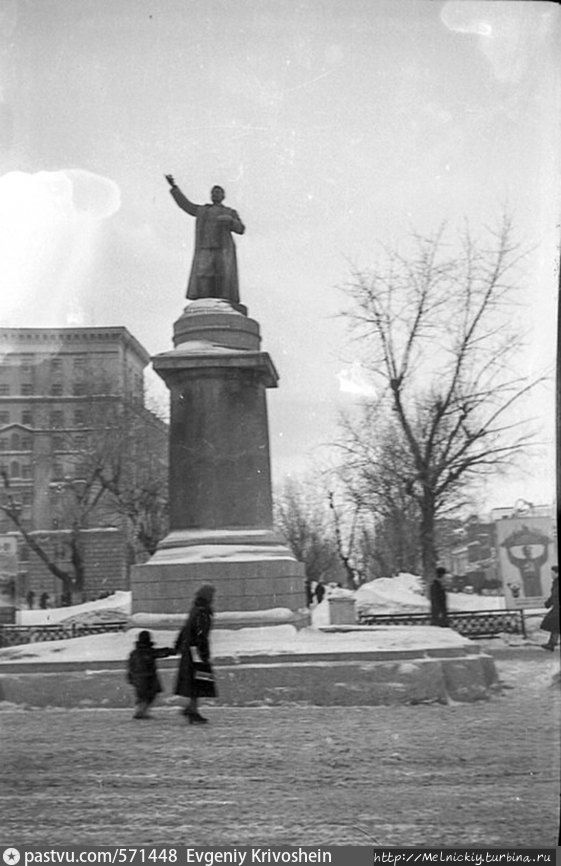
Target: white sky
[(331, 125)]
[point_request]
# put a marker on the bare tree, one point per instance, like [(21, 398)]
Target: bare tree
[(134, 474), (111, 471), (348, 537), (372, 472), (300, 514), (437, 326)]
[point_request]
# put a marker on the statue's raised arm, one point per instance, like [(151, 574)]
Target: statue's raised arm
[(214, 272)]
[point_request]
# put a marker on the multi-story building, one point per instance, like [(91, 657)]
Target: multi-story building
[(66, 395)]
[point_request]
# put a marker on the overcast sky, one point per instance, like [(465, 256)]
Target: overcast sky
[(332, 125)]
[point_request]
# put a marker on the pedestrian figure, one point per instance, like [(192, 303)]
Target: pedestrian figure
[(550, 621), (319, 592), (308, 591), (143, 672), (195, 678), (44, 600), (30, 599), (438, 607)]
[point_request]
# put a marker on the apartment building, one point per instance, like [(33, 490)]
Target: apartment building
[(62, 391)]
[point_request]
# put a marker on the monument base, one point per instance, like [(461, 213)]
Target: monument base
[(252, 571)]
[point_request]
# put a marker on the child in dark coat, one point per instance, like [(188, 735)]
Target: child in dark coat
[(143, 673)]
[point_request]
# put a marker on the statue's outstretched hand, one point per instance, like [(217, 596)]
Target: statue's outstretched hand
[(170, 180)]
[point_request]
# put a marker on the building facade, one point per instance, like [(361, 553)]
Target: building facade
[(72, 423)]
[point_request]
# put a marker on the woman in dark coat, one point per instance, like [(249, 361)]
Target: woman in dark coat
[(550, 621), (143, 674), (194, 677), (438, 605)]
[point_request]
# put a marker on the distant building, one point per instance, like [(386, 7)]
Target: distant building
[(62, 390), (476, 556), (474, 559)]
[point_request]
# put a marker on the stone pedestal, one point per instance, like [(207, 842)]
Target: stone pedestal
[(221, 526)]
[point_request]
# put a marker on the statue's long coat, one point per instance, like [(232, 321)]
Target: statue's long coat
[(215, 251)]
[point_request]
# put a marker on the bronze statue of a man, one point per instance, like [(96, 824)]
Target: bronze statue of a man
[(214, 272)]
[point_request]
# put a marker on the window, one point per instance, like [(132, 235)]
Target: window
[(15, 442), (78, 389), (58, 470), (4, 390), (58, 443), (27, 417), (56, 389), (26, 443), (3, 445), (26, 389), (57, 418), (79, 417), (15, 470), (26, 495), (27, 471), (24, 553), (80, 441), (4, 417), (79, 365), (56, 365), (27, 362)]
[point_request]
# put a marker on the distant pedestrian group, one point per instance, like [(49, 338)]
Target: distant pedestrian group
[(195, 675), (314, 593), (43, 600)]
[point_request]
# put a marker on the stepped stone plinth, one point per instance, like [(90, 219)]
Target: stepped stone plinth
[(221, 524)]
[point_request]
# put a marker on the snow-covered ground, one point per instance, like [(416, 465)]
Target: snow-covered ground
[(273, 640), (385, 595)]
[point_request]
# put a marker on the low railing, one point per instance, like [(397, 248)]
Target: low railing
[(13, 635), (481, 623)]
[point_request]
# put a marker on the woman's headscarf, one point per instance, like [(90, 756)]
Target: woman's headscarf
[(204, 596)]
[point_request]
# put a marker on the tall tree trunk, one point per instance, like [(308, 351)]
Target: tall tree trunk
[(77, 559), (428, 546)]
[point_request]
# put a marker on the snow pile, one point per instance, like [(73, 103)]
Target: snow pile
[(116, 606), (463, 601), (406, 594), (402, 594)]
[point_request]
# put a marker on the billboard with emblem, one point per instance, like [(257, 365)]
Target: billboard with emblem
[(526, 551)]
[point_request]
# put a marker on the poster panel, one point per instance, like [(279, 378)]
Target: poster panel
[(526, 553)]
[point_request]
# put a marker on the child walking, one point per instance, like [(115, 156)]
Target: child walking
[(143, 672)]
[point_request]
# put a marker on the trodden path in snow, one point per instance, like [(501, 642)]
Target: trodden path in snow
[(483, 774)]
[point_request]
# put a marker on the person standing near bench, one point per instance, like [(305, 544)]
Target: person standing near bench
[(438, 605)]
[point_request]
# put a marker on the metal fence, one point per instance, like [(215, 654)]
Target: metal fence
[(474, 624), (13, 635)]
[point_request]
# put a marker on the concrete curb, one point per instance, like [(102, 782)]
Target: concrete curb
[(352, 679)]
